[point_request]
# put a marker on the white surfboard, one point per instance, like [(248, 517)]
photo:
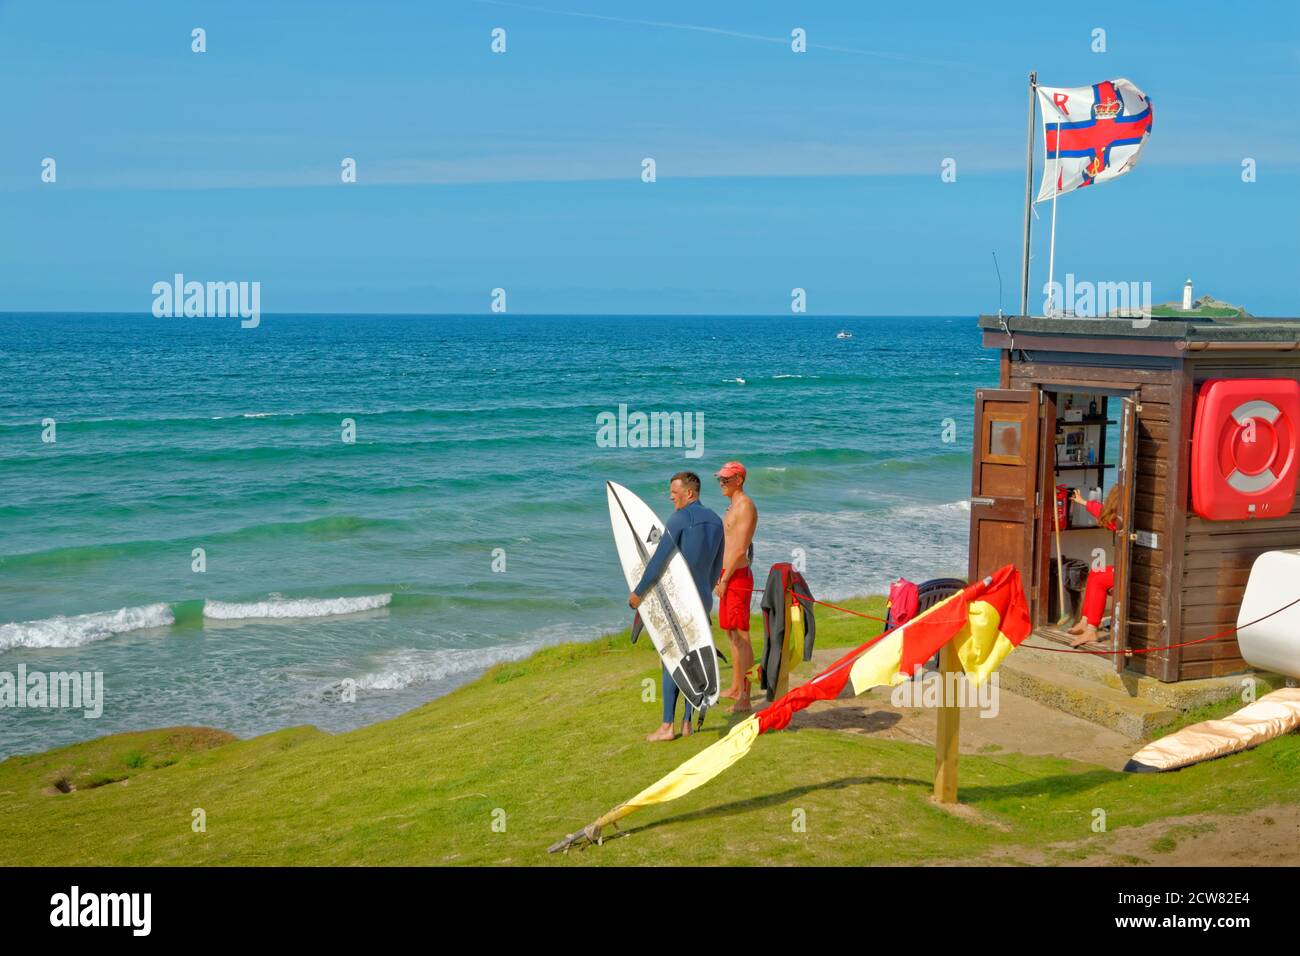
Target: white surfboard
[(673, 614)]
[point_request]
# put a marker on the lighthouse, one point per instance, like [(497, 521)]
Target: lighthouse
[(1187, 296)]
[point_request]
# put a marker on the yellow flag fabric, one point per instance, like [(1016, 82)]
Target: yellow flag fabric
[(700, 769), (981, 646), (879, 665)]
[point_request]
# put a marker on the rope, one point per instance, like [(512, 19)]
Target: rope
[(1079, 650), (836, 607), (1071, 650), (809, 597), (1164, 647)]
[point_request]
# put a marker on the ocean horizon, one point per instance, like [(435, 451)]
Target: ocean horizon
[(332, 518)]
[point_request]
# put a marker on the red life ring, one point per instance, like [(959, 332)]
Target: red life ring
[(1246, 448)]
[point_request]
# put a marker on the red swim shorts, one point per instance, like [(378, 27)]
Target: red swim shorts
[(733, 614)]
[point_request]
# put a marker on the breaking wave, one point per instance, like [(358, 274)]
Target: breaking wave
[(278, 607), (82, 629), (399, 670)]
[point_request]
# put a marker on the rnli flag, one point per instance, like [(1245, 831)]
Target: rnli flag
[(984, 623), (1091, 133)]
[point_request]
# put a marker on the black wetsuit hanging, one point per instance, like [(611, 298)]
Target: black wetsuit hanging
[(780, 579)]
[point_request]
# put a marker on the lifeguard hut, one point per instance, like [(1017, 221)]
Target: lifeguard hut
[(1196, 420)]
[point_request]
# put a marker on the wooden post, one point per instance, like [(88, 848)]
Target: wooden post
[(948, 732)]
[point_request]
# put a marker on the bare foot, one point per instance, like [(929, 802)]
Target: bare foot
[(665, 732), (741, 706), (1088, 635), (686, 728), (1078, 628), (731, 693)]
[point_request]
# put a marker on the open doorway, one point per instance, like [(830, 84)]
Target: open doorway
[(1087, 454)]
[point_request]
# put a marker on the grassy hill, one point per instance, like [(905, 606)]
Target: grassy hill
[(547, 744), (1205, 307), (1176, 312)]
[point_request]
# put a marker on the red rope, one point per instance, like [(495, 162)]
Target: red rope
[(808, 597), (836, 607), (1164, 647), (1074, 650)]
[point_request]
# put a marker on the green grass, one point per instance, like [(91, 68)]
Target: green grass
[(1176, 312), (546, 745)]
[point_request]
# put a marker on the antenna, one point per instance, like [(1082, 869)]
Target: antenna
[(999, 272)]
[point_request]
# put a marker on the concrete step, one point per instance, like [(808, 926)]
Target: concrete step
[(1095, 667), (1036, 675), (1183, 695)]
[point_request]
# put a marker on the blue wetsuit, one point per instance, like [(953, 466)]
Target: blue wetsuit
[(698, 534)]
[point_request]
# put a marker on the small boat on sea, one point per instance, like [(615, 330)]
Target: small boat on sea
[(844, 334)]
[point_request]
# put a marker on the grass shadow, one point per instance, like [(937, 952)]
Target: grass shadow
[(1056, 786), (771, 800), (1060, 785)]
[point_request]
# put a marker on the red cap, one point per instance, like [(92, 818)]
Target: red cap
[(729, 469)]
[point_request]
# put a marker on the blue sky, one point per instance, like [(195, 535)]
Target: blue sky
[(522, 170)]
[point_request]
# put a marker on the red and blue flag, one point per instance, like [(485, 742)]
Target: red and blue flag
[(1091, 133)]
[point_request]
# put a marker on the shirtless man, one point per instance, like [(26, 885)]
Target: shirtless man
[(737, 581)]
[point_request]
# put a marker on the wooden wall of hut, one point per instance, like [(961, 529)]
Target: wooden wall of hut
[(1218, 554), (1190, 586)]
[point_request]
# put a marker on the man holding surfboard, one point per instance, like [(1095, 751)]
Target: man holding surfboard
[(697, 533), (736, 584)]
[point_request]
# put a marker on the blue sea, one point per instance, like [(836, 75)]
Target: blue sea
[(201, 530)]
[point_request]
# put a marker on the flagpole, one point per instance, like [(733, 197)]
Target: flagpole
[(1051, 256), (1029, 193)]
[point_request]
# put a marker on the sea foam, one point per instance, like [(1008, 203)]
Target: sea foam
[(82, 629), (277, 607), (408, 668)]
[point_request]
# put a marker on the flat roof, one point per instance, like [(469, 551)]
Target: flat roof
[(1186, 330)]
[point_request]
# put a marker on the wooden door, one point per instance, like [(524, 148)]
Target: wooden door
[(1004, 480), (1126, 473)]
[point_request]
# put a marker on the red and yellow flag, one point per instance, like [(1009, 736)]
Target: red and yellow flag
[(985, 622)]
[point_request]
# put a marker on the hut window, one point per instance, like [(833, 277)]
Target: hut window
[(1004, 438)]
